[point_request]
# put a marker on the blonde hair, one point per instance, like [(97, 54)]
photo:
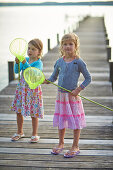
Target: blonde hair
[(73, 37), (37, 43)]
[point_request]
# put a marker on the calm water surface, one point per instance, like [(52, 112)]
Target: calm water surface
[(42, 22)]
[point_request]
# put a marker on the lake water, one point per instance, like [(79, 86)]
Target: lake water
[(42, 22)]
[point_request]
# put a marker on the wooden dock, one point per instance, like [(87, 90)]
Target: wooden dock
[(96, 140)]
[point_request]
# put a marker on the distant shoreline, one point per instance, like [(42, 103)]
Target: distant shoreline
[(93, 3)]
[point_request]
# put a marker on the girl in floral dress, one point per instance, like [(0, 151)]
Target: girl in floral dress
[(28, 102)]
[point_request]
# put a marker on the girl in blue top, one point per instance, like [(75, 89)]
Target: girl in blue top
[(69, 112), (28, 102)]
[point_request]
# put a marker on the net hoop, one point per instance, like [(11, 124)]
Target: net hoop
[(18, 48), (34, 77)]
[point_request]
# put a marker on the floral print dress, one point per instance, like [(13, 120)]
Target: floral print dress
[(28, 101)]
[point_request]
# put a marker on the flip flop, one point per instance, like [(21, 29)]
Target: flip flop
[(57, 153), (70, 155), (17, 137), (35, 139)]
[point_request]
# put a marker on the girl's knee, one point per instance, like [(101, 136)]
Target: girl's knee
[(19, 115), (34, 118)]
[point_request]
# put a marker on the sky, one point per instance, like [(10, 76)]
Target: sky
[(38, 1)]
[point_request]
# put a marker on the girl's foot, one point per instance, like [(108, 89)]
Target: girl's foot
[(57, 150), (72, 152), (35, 139), (16, 136)]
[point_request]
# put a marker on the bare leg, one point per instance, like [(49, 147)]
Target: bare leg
[(19, 126), (61, 137), (34, 126), (34, 137), (61, 141), (75, 146), (20, 120)]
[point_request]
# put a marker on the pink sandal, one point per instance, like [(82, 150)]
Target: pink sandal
[(57, 149), (71, 154)]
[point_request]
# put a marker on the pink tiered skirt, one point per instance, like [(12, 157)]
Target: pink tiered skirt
[(69, 112)]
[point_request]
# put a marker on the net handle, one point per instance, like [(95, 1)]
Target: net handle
[(82, 96)]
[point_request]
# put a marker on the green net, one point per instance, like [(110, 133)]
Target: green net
[(18, 48), (34, 77)]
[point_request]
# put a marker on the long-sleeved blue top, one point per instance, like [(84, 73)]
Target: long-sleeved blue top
[(38, 64), (69, 72)]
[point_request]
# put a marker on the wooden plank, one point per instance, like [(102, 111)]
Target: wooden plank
[(99, 142), (48, 151), (46, 122), (81, 158), (40, 145), (51, 130), (53, 164), (101, 119), (55, 141), (67, 135), (89, 131)]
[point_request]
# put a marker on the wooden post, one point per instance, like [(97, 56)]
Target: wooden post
[(106, 34), (108, 53), (11, 70), (57, 39), (48, 42), (111, 72), (107, 41)]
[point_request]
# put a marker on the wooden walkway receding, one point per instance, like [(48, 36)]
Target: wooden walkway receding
[(96, 140)]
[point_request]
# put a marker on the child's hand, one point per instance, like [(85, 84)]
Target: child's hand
[(45, 82), (17, 60), (76, 91), (24, 61)]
